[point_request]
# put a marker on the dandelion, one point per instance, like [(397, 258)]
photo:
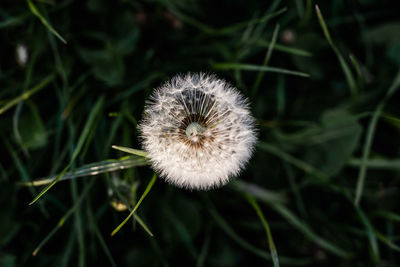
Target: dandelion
[(198, 131), (22, 55)]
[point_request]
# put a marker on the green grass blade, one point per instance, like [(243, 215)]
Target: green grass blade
[(88, 126), (242, 25), (36, 12), (28, 93), (144, 226), (93, 169), (345, 67), (266, 60), (58, 178), (387, 241), (370, 233), (14, 21), (356, 66), (182, 232), (389, 215), (307, 168), (223, 224), (93, 114), (62, 221), (133, 151), (284, 48), (23, 173), (307, 231), (266, 195), (250, 67), (369, 138), (383, 164), (78, 225), (146, 191), (272, 248), (204, 250), (100, 238), (127, 204)]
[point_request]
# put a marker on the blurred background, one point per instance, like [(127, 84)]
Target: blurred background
[(74, 76)]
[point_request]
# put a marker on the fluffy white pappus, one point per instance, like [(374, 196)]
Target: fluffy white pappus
[(198, 131), (22, 55)]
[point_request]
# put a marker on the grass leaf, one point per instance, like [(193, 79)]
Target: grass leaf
[(62, 221), (28, 93), (271, 244), (146, 191), (369, 138), (370, 233), (133, 151), (306, 230), (266, 60), (250, 67), (345, 67), (82, 138), (36, 12)]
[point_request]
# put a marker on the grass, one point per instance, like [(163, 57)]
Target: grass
[(320, 190)]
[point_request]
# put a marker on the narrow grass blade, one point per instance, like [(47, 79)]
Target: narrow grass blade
[(131, 151), (28, 93), (144, 226), (93, 114), (36, 12), (345, 67), (88, 126), (356, 66), (146, 191), (94, 169), (369, 138), (272, 248), (242, 25), (23, 173), (307, 168), (370, 233), (223, 224), (266, 60), (100, 238), (387, 241), (266, 195), (182, 232), (58, 178), (250, 67), (389, 215), (64, 218), (392, 120), (302, 227), (383, 164), (284, 48), (204, 250), (127, 204), (78, 225), (14, 21)]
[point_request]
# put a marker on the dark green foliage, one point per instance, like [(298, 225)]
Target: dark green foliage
[(322, 82)]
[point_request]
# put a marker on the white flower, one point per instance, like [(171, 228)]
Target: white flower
[(198, 131)]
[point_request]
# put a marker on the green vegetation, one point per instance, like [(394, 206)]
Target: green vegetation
[(322, 188)]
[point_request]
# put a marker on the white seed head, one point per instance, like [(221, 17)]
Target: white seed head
[(22, 55), (198, 131)]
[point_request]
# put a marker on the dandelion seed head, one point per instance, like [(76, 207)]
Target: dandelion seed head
[(22, 55), (198, 131)]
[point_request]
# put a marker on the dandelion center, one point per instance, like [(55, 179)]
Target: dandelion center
[(194, 129)]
